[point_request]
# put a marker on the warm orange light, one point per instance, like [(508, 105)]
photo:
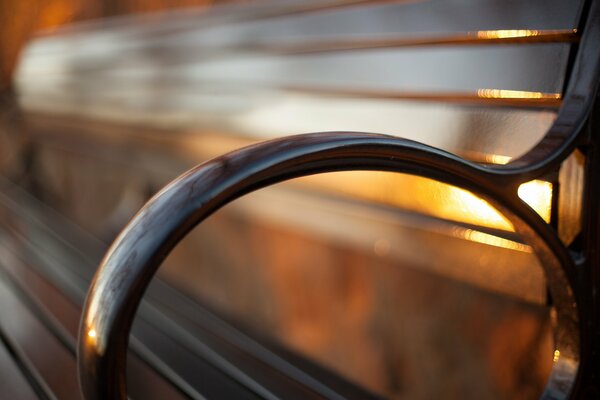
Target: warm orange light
[(497, 159), (515, 33), (507, 33), (556, 356), (92, 333), (491, 240), (538, 194), (437, 199), (515, 94)]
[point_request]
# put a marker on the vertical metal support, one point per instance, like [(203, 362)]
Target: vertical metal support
[(589, 283)]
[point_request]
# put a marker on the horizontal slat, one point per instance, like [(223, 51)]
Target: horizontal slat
[(463, 69), (480, 38), (13, 384), (483, 97), (144, 382), (43, 352), (398, 19), (491, 135), (540, 68)]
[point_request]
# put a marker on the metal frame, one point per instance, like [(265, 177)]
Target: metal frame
[(573, 273)]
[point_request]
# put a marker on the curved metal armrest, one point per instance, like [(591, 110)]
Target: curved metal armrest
[(134, 257)]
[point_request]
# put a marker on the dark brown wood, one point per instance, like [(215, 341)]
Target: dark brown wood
[(13, 383), (481, 38)]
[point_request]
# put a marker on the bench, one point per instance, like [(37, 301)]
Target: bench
[(196, 85)]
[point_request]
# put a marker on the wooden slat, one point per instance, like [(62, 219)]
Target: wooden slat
[(13, 384), (43, 352), (480, 38), (485, 135), (55, 306)]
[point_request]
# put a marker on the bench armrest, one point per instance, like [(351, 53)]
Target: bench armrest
[(136, 254)]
